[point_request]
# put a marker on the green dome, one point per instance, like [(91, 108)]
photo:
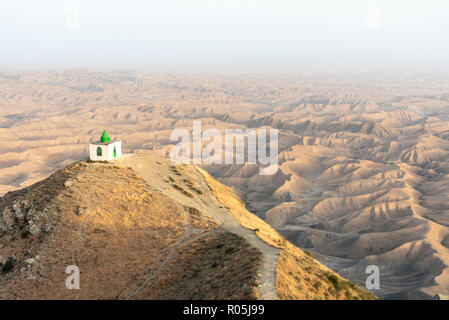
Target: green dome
[(105, 137)]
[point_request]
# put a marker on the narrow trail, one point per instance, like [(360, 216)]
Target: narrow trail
[(270, 255), (155, 171)]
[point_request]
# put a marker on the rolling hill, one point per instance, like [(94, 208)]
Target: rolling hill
[(141, 228)]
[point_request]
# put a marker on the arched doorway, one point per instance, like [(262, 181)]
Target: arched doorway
[(99, 152), (115, 152)]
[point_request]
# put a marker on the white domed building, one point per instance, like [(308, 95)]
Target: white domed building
[(105, 149)]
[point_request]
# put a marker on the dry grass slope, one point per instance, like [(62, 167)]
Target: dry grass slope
[(132, 242), (299, 276), (106, 220), (213, 267)]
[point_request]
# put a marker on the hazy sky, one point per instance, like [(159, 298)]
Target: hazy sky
[(194, 33)]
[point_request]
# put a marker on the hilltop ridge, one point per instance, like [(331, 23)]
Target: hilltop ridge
[(141, 228)]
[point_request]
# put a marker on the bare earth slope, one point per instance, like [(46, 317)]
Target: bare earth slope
[(364, 171), (138, 237)]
